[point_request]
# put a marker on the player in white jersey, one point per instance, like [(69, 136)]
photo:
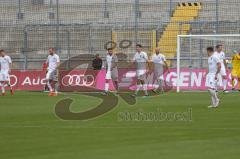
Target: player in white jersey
[(159, 64), (141, 61), (221, 55), (53, 62), (6, 65), (214, 68), (111, 71)]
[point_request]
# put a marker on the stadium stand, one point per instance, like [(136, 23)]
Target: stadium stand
[(28, 29), (183, 13)]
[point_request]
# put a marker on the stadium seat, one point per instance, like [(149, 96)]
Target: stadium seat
[(184, 12)]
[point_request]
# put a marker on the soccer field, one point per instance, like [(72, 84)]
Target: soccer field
[(29, 129)]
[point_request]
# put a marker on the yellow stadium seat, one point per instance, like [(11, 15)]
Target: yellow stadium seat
[(184, 12)]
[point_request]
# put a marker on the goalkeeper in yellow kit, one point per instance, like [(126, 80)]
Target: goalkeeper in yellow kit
[(236, 69)]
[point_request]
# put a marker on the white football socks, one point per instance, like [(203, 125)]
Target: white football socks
[(106, 87), (138, 88), (145, 89), (56, 88), (3, 87), (49, 86), (213, 97), (225, 84)]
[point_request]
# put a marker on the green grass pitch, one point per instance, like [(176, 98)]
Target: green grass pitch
[(29, 129)]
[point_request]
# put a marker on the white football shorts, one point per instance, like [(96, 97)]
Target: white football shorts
[(52, 75), (4, 76), (211, 82)]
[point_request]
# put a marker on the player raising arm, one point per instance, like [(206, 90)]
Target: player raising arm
[(6, 65), (214, 68), (111, 71), (236, 69), (141, 61), (53, 62)]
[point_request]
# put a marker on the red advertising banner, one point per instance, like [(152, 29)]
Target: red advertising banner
[(190, 79)]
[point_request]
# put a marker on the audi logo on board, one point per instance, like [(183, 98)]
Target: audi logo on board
[(78, 80)]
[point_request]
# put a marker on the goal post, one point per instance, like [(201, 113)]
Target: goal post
[(191, 51)]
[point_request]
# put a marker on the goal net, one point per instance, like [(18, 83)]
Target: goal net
[(192, 58)]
